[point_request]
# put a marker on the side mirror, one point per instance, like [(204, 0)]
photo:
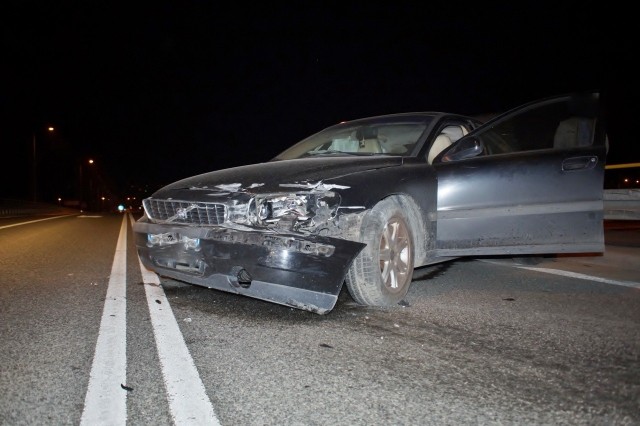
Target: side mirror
[(465, 148)]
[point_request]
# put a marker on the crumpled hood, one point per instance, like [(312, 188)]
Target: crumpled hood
[(274, 176)]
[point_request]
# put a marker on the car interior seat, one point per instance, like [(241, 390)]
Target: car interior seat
[(455, 132), (368, 140), (574, 132), (440, 144), (447, 136)]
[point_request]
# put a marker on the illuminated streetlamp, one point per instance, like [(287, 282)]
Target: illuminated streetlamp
[(35, 166), (85, 191)]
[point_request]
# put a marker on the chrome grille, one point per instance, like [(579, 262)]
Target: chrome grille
[(187, 212)]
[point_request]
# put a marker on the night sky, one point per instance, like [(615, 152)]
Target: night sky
[(159, 91)]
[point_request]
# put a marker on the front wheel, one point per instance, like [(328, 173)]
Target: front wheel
[(381, 274)]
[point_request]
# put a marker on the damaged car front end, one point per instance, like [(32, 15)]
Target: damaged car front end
[(281, 247)]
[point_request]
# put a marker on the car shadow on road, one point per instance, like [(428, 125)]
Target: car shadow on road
[(431, 271)]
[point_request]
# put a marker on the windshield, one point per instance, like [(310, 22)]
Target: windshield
[(361, 138)]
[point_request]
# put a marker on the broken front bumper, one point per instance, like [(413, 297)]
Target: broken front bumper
[(304, 272)]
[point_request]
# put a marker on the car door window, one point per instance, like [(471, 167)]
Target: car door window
[(563, 123)]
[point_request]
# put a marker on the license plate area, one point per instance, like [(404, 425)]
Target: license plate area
[(192, 266)]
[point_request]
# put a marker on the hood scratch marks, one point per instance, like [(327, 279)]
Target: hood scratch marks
[(319, 186)]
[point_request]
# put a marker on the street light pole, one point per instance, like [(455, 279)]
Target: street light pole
[(35, 172), (35, 166)]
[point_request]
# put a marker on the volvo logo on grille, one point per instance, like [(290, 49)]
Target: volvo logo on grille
[(182, 213)]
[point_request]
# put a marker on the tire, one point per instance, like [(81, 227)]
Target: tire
[(381, 274)]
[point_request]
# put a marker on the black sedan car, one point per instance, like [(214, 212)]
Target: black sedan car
[(367, 201)]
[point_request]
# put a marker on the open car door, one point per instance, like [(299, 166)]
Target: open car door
[(528, 182)]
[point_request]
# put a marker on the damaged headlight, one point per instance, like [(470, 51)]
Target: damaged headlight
[(298, 208), (171, 238)]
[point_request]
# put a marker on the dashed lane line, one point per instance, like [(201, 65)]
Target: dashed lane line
[(188, 400), (106, 398)]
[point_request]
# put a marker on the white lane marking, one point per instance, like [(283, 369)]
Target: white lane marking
[(86, 216), (106, 401), (188, 400), (582, 276), (34, 221)]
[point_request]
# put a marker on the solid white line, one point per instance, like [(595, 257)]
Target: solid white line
[(34, 221), (582, 276), (106, 400), (188, 400)]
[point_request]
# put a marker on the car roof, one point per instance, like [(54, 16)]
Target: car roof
[(385, 117)]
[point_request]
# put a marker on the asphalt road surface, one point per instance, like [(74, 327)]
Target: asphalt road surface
[(87, 338)]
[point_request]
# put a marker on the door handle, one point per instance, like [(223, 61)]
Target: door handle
[(579, 163)]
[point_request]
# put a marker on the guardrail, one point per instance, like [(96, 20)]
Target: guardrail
[(622, 204), (17, 208)]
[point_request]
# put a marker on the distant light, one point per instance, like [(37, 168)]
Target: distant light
[(90, 161), (51, 129), (120, 208)]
